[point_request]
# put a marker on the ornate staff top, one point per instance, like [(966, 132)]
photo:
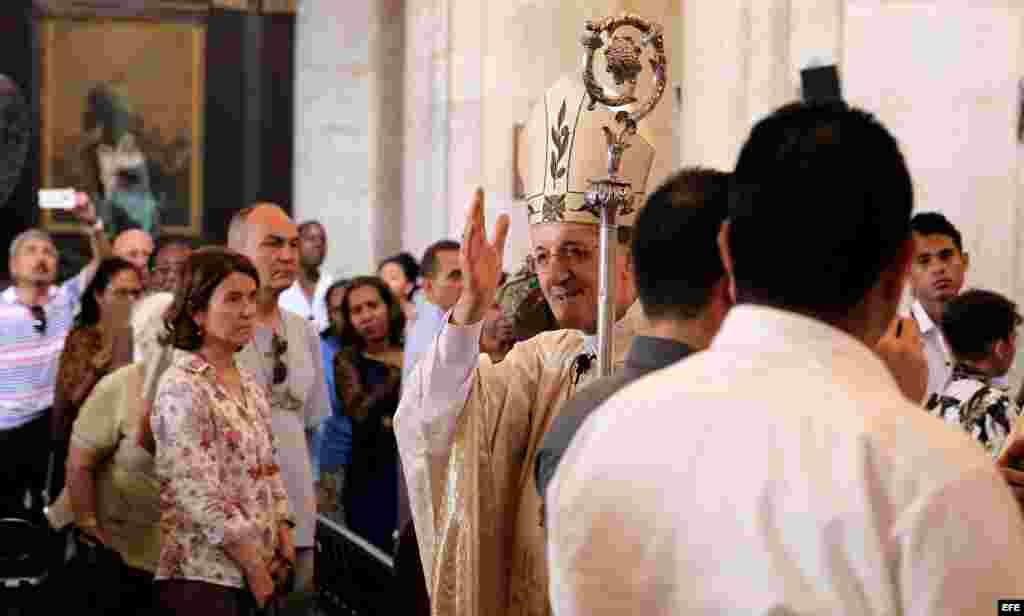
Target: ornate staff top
[(585, 162), (623, 57), (613, 195), (572, 129)]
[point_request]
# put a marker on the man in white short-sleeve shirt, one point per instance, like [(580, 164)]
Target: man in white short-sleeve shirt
[(306, 296)]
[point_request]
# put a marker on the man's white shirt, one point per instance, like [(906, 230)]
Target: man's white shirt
[(780, 471), (294, 299), (940, 360)]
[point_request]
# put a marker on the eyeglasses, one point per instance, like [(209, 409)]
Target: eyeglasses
[(279, 347), (572, 255), (40, 316)]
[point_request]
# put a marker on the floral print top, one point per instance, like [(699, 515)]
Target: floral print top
[(982, 410), (219, 482)]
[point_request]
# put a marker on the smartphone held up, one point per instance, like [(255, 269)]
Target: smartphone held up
[(57, 198)]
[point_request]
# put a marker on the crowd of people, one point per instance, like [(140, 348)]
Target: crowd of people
[(772, 439), (191, 409)]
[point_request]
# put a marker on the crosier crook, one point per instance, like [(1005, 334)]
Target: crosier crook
[(612, 195)]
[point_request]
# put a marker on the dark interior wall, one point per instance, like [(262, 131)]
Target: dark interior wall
[(249, 114), (277, 119), (17, 52), (248, 128)]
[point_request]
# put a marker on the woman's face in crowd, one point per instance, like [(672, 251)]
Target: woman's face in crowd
[(394, 276), (229, 317), (369, 313), (124, 290)]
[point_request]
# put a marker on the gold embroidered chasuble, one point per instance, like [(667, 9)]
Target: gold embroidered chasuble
[(475, 505)]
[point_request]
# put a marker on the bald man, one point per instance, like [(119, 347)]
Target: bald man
[(284, 356), (136, 247)]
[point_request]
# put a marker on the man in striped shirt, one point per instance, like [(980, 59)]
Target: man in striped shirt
[(35, 317)]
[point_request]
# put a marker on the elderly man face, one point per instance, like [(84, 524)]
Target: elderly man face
[(566, 258), (136, 247)]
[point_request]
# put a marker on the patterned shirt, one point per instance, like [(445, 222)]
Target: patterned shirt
[(29, 358), (219, 482), (971, 401)]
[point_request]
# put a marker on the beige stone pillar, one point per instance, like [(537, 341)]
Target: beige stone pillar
[(425, 165), (742, 59), (349, 127)]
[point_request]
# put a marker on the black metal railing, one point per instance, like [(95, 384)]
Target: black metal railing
[(355, 578)]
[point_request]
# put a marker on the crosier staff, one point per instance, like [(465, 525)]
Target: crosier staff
[(613, 195)]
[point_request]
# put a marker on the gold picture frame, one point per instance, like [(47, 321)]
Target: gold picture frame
[(122, 117)]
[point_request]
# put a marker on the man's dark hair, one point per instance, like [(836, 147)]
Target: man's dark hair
[(89, 314), (934, 223), (675, 243), (342, 284), (310, 223), (975, 320), (820, 207), (430, 263), (407, 262)]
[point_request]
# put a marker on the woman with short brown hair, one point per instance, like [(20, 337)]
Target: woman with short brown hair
[(226, 527)]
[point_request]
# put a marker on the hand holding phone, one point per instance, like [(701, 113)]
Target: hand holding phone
[(57, 199)]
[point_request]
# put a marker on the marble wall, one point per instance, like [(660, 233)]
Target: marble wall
[(945, 82), (350, 127), (424, 176), (943, 76)]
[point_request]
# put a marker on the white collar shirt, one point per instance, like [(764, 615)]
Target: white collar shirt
[(779, 472), (294, 300), (940, 361)]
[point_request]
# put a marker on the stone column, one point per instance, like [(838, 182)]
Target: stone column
[(425, 168), (349, 125), (468, 46), (741, 59), (716, 41), (388, 123)]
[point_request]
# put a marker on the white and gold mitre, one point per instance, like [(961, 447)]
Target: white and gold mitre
[(566, 147)]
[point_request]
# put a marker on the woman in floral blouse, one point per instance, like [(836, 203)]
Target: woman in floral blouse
[(226, 530)]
